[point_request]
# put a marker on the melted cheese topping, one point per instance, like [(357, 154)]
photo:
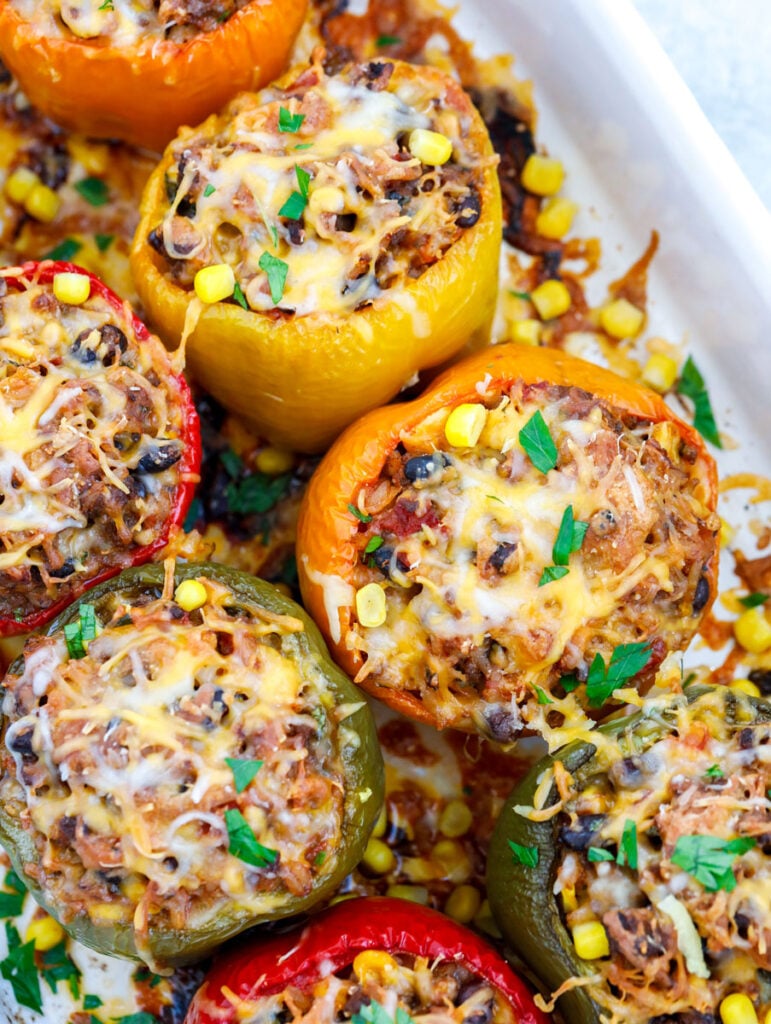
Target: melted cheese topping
[(368, 215), (126, 23), (708, 776), (91, 427), (471, 626), (119, 760), (430, 992)]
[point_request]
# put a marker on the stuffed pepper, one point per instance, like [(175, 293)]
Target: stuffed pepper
[(632, 874), (512, 549), (180, 761), (137, 71), (320, 242), (367, 959), (99, 440)]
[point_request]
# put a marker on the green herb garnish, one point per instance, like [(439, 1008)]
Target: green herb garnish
[(277, 271), (20, 970), (57, 966), (361, 516), (543, 696), (525, 855), (107, 5), (552, 573), (691, 384), (65, 250), (92, 1002), (753, 600), (570, 682), (209, 191), (289, 122), (382, 41), (711, 860), (93, 190), (12, 903), (243, 771), (525, 296), (714, 772), (103, 242), (570, 537), (78, 634), (596, 854), (256, 494), (143, 1017), (625, 662), (243, 842), (239, 296), (373, 544), (627, 853), (538, 443)]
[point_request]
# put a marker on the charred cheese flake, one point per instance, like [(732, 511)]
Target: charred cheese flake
[(185, 753), (534, 559), (360, 217), (671, 854), (91, 427)]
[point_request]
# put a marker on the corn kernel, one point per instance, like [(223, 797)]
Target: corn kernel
[(551, 299), (44, 932), (746, 686), (326, 199), (555, 218), (767, 1018), (526, 332), (381, 824), (374, 961), (133, 890), (621, 319), (569, 901), (726, 536), (455, 820), (463, 903), (94, 157), (660, 372), (542, 175), (378, 857), (738, 1009), (20, 183), (464, 425), (107, 912), (71, 288), (753, 630), (274, 461), (591, 940), (191, 594), (484, 921), (371, 609), (430, 148), (215, 283), (42, 203), (414, 893)]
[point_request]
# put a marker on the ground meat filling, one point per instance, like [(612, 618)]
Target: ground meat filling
[(649, 834), (432, 992), (91, 444), (128, 22), (311, 192), (182, 766), (463, 540)]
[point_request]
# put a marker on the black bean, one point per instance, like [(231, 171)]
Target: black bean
[(159, 458), (382, 559), (155, 241), (296, 231), (345, 222), (21, 743), (761, 677), (581, 835), (627, 773), (106, 343), (469, 210), (65, 570), (701, 596), (423, 467), (502, 725), (501, 555), (480, 1014), (603, 522), (186, 208), (67, 827), (746, 739)]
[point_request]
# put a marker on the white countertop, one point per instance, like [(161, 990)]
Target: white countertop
[(722, 49)]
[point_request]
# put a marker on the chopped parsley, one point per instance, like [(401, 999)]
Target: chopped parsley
[(243, 771), (256, 494), (143, 1017), (232, 462), (209, 191), (92, 1002), (78, 634), (20, 970), (373, 544), (276, 270), (525, 296), (239, 296), (374, 1013), (320, 857), (295, 205), (570, 537), (289, 122), (543, 696), (304, 145), (103, 242), (538, 443), (552, 573), (711, 860), (625, 662), (753, 600), (93, 190), (194, 513), (66, 250), (691, 384), (627, 853), (596, 854), (382, 41), (11, 903), (106, 5), (525, 855), (243, 842), (361, 516), (570, 682), (57, 966), (714, 772)]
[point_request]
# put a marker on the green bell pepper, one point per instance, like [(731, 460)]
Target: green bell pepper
[(353, 739), (522, 896)]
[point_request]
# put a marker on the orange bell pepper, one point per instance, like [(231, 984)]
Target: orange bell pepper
[(142, 94), (332, 536), (299, 380)]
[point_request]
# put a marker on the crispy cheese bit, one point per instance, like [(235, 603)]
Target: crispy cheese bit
[(660, 372), (542, 175), (190, 595), (378, 857), (215, 283), (42, 203), (371, 608), (374, 962), (738, 1009), (73, 289), (621, 319), (463, 904), (19, 184), (326, 199), (753, 630), (591, 940), (526, 332), (45, 933), (274, 461), (429, 147), (555, 218), (746, 686), (551, 299), (464, 424)]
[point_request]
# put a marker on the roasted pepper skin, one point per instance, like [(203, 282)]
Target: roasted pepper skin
[(142, 94), (522, 898), (327, 530), (190, 463), (332, 940), (299, 382), (363, 770)]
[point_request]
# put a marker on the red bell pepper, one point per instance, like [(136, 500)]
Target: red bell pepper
[(331, 941), (189, 464)]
